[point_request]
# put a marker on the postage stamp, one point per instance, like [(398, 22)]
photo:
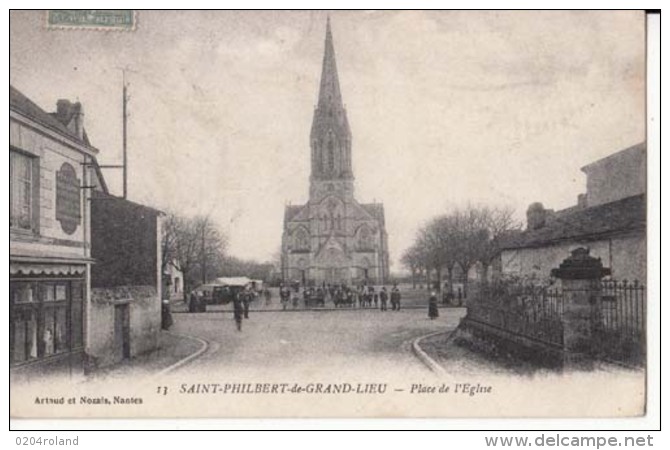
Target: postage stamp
[(92, 19), (385, 214)]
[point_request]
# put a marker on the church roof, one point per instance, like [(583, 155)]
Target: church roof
[(357, 210), (291, 211), (376, 210)]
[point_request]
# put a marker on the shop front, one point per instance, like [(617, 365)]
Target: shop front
[(47, 318)]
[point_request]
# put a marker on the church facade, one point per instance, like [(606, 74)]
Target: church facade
[(333, 238)]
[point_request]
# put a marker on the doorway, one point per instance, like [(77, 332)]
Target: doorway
[(122, 330)]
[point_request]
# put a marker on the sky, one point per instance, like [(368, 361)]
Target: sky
[(445, 108)]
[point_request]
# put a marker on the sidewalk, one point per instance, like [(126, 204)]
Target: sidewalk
[(455, 357), (171, 349)]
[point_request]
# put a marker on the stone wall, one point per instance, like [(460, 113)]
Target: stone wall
[(145, 322), (625, 255)]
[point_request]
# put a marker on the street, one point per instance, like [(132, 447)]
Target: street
[(312, 343)]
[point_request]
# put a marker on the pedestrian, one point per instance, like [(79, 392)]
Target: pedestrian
[(193, 303), (395, 298), (268, 296), (238, 310), (295, 300), (284, 295), (166, 314), (383, 297), (246, 295), (306, 295), (433, 312)]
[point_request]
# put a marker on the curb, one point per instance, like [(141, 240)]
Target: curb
[(423, 356), (327, 309), (204, 345)]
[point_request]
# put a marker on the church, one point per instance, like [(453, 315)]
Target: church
[(333, 238)]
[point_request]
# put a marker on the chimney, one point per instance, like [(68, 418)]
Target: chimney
[(536, 216), (582, 201), (71, 115)]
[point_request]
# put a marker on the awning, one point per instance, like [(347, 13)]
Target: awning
[(37, 269), (232, 281)]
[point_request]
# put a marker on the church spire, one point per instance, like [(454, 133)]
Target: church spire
[(329, 91), (330, 138)]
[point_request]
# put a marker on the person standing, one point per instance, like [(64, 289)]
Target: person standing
[(383, 297), (350, 298), (295, 300), (193, 302), (433, 312), (306, 296), (238, 310), (395, 298), (284, 295), (246, 299)]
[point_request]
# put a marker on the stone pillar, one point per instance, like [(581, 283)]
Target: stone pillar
[(580, 275)]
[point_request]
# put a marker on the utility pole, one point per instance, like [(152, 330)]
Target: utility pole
[(204, 254), (123, 166), (125, 136)]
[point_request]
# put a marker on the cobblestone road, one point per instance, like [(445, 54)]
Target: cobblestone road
[(313, 343)]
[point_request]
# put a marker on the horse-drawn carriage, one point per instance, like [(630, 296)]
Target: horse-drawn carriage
[(221, 291)]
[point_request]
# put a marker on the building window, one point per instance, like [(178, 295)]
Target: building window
[(331, 156), (22, 191), (365, 239), (46, 318), (301, 240)]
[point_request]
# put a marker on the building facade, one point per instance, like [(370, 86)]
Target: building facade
[(610, 220), (333, 238), (84, 265), (125, 279), (50, 243)]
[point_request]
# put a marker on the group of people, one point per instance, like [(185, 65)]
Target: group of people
[(341, 295)]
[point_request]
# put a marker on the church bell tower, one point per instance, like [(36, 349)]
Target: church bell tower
[(330, 138), (333, 238)]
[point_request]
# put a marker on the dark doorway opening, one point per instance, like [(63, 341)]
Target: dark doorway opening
[(122, 329)]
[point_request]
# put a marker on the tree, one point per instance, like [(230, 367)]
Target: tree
[(211, 248), (194, 246), (479, 230), (499, 223), (413, 260), (464, 236)]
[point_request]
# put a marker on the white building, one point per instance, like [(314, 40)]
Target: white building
[(610, 219)]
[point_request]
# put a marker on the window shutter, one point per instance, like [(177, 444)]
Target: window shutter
[(35, 226)]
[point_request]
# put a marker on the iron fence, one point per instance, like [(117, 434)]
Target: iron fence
[(526, 310), (618, 321), (621, 333)]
